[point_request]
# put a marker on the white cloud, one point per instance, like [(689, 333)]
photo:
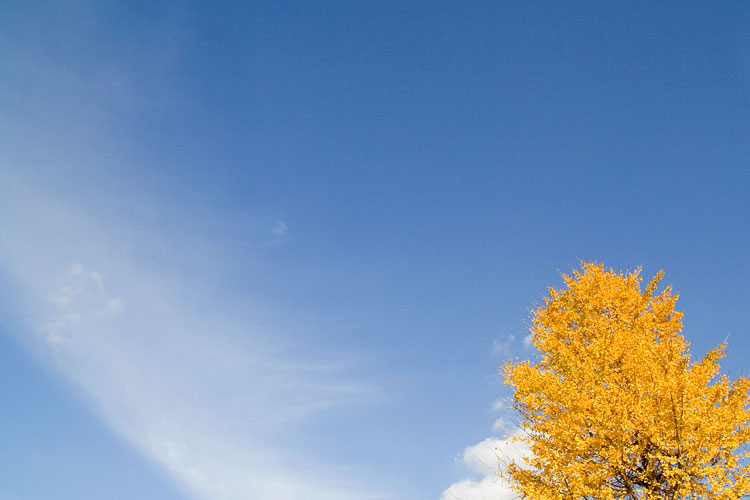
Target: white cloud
[(503, 347), (490, 456), (528, 340), (500, 404), (499, 425), (506, 347), (279, 229), (485, 461), (487, 488), (502, 425)]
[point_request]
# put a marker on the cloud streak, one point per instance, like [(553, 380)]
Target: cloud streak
[(209, 396)]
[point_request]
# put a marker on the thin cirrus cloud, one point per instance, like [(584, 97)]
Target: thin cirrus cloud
[(204, 396)]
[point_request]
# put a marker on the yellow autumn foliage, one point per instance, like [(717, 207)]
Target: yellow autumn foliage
[(615, 408)]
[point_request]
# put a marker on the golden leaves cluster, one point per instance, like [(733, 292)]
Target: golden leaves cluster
[(615, 408)]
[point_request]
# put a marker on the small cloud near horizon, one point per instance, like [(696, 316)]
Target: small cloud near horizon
[(485, 462)]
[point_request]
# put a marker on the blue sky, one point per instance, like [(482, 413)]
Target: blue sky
[(277, 250)]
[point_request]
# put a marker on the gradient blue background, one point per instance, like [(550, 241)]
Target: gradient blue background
[(436, 164)]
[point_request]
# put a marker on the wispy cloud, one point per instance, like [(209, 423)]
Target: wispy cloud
[(528, 340), (208, 395), (80, 302), (503, 347), (279, 229)]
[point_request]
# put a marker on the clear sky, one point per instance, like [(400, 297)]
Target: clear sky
[(277, 250)]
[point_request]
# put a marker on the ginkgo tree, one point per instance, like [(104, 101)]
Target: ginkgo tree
[(615, 408)]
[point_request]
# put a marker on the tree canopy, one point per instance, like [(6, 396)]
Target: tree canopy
[(615, 408)]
